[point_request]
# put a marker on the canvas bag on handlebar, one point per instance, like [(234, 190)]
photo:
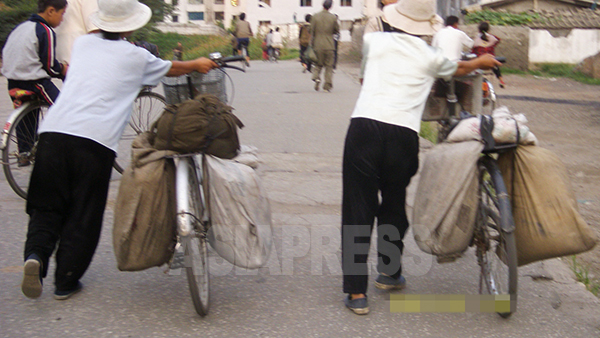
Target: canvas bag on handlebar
[(201, 124)]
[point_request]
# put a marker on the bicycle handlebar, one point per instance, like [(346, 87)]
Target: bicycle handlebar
[(223, 61)]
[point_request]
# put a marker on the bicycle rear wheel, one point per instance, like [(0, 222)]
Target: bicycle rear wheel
[(147, 108), (195, 246), (494, 237), (18, 156)]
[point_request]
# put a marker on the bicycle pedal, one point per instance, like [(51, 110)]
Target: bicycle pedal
[(177, 262)]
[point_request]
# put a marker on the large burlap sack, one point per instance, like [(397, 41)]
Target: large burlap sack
[(446, 200), (241, 230), (547, 219), (144, 229), (202, 124)]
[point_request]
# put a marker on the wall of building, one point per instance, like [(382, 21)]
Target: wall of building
[(573, 47)]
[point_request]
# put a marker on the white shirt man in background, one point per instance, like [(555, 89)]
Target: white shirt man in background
[(451, 40)]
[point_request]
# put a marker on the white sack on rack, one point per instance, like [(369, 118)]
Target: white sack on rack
[(241, 229), (505, 129)]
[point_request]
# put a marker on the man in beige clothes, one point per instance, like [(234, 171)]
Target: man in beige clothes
[(75, 23), (323, 26)]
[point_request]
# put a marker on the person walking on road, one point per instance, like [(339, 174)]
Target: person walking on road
[(486, 43), (304, 39), (382, 143), (323, 26), (451, 39), (78, 139), (243, 32)]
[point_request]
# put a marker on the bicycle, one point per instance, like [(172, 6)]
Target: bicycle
[(274, 54), (18, 141), (192, 186), (493, 239)]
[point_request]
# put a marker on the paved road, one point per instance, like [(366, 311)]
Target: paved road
[(299, 133)]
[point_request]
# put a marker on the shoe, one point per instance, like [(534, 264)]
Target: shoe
[(23, 160), (360, 306), (317, 83), (385, 282), (502, 83), (62, 295), (32, 283)]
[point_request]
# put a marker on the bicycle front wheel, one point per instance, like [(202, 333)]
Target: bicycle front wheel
[(195, 246), (18, 156), (494, 236), (147, 108)]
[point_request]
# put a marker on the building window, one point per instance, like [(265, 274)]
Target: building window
[(264, 3), (175, 18), (306, 3), (196, 15), (220, 16), (264, 23), (346, 3), (196, 2), (219, 2)]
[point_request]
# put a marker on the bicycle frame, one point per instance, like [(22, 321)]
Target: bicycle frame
[(11, 120)]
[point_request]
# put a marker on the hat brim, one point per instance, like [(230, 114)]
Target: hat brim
[(138, 20), (397, 20)]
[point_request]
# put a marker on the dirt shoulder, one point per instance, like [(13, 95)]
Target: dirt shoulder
[(565, 117)]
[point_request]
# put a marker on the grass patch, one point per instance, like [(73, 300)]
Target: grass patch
[(555, 70), (582, 275), (429, 131)]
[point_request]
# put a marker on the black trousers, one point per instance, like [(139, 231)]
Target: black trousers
[(379, 161), (65, 202)]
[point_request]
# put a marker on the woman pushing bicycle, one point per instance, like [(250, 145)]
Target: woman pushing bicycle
[(78, 140), (382, 143)]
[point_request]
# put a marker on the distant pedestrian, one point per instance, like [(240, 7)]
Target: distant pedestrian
[(323, 26), (485, 43), (243, 32), (178, 52), (276, 44), (304, 39)]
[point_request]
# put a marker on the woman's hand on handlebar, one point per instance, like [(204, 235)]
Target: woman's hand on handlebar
[(202, 65), (486, 61)]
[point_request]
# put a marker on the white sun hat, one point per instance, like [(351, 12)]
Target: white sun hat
[(417, 17), (119, 16)]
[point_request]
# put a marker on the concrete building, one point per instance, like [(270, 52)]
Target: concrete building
[(263, 13)]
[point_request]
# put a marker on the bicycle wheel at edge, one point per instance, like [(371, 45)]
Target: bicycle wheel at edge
[(195, 246), (18, 176), (494, 236), (147, 108)]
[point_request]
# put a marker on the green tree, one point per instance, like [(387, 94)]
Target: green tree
[(12, 13)]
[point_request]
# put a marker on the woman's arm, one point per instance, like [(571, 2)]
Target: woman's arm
[(485, 61), (202, 65)]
